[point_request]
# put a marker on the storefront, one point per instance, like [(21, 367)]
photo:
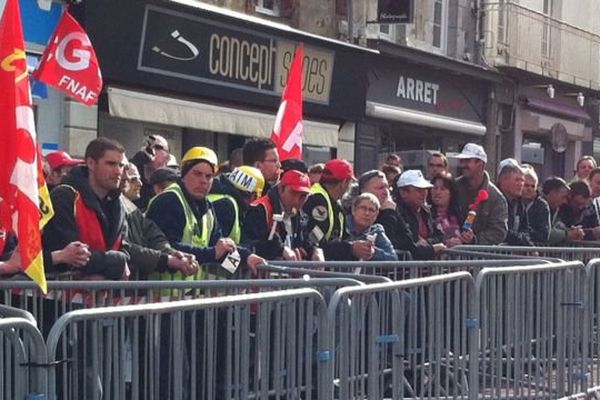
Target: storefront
[(418, 103), (201, 75), (550, 133)]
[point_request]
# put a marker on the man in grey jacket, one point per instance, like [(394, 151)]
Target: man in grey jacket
[(490, 225)]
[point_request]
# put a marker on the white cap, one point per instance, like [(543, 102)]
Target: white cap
[(413, 177), (172, 161), (509, 162), (472, 150)]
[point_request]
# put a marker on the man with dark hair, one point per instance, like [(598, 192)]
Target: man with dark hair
[(578, 212), (262, 154), (511, 180), (437, 163), (87, 209), (556, 193), (325, 217), (161, 178)]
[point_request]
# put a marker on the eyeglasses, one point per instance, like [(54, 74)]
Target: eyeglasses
[(436, 165), (274, 160), (367, 209)]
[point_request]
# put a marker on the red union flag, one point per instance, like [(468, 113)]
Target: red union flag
[(69, 62), (287, 132), (22, 189)]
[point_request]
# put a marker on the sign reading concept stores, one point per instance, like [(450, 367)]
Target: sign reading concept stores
[(199, 49)]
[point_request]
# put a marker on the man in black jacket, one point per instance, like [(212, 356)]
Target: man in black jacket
[(148, 246), (511, 179), (396, 228), (537, 209), (412, 190), (87, 209), (273, 226)]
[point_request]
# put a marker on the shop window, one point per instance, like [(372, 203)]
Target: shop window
[(502, 21), (440, 24), (547, 29), (387, 32), (268, 7)]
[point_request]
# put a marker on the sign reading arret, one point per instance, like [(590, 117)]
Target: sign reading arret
[(417, 90)]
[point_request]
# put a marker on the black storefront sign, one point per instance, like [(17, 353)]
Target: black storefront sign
[(198, 49), (418, 88), (199, 53), (394, 11)]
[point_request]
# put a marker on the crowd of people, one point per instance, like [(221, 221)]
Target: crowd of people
[(159, 219)]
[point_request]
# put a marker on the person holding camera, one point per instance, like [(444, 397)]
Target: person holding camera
[(153, 155)]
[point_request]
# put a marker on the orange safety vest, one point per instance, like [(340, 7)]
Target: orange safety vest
[(265, 201), (89, 230)]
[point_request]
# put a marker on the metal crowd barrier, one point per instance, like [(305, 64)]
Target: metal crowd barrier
[(65, 296), (583, 254), (22, 353), (251, 346), (532, 331), (308, 269), (408, 339), (396, 270)]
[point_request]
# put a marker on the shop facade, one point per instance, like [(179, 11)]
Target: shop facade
[(418, 103), (201, 75)]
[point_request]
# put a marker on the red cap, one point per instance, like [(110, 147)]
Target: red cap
[(298, 181), (339, 169), (58, 159)]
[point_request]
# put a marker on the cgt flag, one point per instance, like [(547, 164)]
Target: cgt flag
[(69, 62), (287, 132), (22, 187)]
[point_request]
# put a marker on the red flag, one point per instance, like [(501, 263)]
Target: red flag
[(287, 132), (69, 62), (19, 154)]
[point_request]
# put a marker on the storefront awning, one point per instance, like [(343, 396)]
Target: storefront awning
[(556, 108), (139, 106), (383, 111)]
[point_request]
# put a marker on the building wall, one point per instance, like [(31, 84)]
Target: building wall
[(564, 45)]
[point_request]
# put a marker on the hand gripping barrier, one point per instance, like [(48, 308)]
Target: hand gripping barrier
[(22, 358), (213, 348)]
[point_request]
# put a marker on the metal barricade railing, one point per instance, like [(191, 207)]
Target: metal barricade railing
[(250, 346), (583, 254), (593, 321), (307, 269), (532, 330), (65, 296), (22, 358), (399, 270), (408, 339)]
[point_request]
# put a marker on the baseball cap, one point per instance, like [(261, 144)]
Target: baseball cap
[(509, 162), (472, 150), (413, 177), (298, 181), (339, 169), (58, 159)]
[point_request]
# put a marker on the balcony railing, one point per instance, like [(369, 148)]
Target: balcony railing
[(527, 39)]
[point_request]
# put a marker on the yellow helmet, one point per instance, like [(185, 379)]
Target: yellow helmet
[(247, 179), (201, 153)]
